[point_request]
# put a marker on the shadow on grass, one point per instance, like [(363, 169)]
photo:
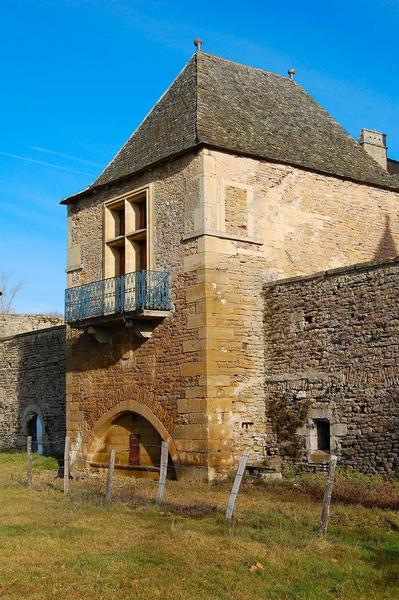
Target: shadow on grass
[(131, 496), (193, 511), (196, 510)]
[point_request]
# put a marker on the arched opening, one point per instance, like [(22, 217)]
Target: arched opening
[(137, 445), (34, 429)]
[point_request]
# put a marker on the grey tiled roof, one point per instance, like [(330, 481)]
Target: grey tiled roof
[(169, 128), (393, 167), (245, 110)]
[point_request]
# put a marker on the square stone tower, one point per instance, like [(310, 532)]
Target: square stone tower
[(235, 178)]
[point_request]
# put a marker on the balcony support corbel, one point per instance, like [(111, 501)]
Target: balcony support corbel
[(102, 336), (142, 330)]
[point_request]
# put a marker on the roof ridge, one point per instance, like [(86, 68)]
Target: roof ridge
[(196, 54), (310, 98), (250, 67)]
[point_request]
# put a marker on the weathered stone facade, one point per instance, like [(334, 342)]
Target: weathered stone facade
[(297, 223), (331, 353), (103, 379), (246, 181), (32, 377), (200, 378), (228, 196)]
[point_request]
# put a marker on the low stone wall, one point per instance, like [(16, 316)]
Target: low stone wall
[(332, 353), (32, 381), (15, 324)]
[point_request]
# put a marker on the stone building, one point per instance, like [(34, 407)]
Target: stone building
[(32, 382), (235, 179)]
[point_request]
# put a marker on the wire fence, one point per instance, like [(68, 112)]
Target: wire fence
[(144, 456), (154, 459)]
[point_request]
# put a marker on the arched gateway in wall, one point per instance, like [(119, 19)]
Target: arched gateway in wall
[(136, 434), (32, 424)]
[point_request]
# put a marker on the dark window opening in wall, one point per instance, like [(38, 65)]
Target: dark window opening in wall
[(121, 261), (121, 221), (142, 215), (142, 255), (323, 435)]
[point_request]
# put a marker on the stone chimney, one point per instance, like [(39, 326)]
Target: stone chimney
[(375, 144)]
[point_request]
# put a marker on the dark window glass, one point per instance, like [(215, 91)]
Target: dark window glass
[(121, 260), (143, 255)]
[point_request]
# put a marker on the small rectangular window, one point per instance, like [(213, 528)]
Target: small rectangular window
[(143, 215), (122, 260), (323, 435)]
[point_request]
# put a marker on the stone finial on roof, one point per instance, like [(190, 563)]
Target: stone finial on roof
[(198, 43)]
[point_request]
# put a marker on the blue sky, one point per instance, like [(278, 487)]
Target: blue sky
[(78, 76)]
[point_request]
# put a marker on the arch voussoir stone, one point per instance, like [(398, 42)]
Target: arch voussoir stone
[(103, 423)]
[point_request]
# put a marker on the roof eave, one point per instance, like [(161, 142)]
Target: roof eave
[(211, 145), (394, 187), (100, 186)]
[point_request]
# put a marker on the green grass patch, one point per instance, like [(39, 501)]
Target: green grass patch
[(55, 546)]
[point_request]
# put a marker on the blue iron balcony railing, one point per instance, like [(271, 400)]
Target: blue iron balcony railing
[(141, 290)]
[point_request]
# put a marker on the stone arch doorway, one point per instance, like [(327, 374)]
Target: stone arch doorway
[(33, 426), (136, 435)]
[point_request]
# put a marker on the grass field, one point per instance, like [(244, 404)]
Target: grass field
[(54, 546)]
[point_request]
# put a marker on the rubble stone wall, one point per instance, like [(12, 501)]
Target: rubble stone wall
[(12, 324), (331, 352), (32, 381)]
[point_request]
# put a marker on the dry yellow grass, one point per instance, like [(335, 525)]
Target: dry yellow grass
[(55, 547)]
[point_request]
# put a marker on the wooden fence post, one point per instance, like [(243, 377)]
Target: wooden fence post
[(163, 471), (325, 511), (29, 460), (236, 485), (66, 466), (110, 475)]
